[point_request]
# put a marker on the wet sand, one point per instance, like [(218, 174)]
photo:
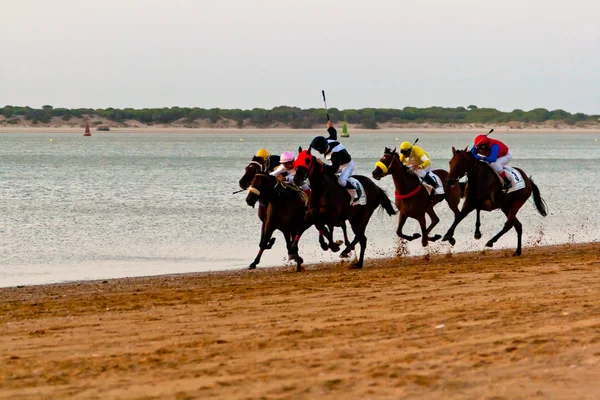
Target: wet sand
[(473, 325)]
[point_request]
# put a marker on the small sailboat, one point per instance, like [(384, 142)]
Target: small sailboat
[(87, 130), (345, 130)]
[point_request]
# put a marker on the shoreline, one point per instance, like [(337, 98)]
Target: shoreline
[(249, 131), (471, 325), (230, 273)]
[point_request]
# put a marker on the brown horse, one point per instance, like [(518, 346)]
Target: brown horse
[(484, 192), (330, 203), (412, 199), (258, 166), (285, 211)]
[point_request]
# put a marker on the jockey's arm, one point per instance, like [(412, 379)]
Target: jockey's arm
[(493, 153), (420, 154), (332, 133), (402, 158), (279, 170), (335, 162), (476, 153)]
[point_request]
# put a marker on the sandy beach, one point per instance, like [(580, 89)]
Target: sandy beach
[(472, 325)]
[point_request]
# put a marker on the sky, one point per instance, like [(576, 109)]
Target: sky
[(264, 53)]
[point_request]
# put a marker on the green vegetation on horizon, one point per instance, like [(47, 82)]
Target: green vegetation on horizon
[(301, 119)]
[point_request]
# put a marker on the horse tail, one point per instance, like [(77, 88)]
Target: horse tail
[(385, 202), (540, 204)]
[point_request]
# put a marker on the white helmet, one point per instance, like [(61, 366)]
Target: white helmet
[(287, 156)]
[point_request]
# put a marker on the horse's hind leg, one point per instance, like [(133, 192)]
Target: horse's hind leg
[(358, 227), (477, 225), (424, 239), (434, 221), (401, 221), (511, 214)]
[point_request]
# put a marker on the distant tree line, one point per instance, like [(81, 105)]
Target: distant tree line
[(301, 118)]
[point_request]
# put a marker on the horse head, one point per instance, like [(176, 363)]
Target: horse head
[(386, 163), (461, 163), (256, 166), (260, 188), (304, 165)]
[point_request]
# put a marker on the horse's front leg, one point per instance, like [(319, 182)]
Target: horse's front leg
[(266, 242), (401, 222), (466, 210), (478, 224), (344, 229)]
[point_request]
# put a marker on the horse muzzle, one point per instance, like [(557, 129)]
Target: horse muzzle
[(252, 197)]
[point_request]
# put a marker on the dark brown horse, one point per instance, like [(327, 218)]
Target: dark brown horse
[(258, 166), (484, 192), (285, 211), (412, 199), (330, 203)]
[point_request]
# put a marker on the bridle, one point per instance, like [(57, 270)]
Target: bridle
[(385, 168)]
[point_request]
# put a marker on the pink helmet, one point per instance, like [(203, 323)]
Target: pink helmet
[(287, 156)]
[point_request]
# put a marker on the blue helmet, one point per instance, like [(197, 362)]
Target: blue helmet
[(319, 143)]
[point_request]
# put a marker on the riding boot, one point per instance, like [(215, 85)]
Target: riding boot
[(352, 190), (429, 179), (507, 184)]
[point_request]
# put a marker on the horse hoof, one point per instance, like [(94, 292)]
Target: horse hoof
[(477, 235), (356, 266), (324, 246), (452, 241), (344, 254), (424, 243), (516, 253), (446, 238), (299, 268), (334, 247), (416, 236), (252, 266), (299, 260), (435, 238), (489, 244)]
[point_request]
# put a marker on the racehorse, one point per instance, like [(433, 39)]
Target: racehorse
[(330, 203), (257, 166), (484, 192), (412, 198), (285, 211)]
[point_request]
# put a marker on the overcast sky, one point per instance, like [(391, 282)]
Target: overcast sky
[(504, 54)]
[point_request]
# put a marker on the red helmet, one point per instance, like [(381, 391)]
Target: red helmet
[(481, 140)]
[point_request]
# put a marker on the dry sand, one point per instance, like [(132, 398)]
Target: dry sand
[(476, 325)]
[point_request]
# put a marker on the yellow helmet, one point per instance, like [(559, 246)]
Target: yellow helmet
[(263, 153), (405, 146)]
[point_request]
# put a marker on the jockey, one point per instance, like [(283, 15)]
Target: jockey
[(286, 171), (418, 161), (495, 153), (264, 154), (338, 155)]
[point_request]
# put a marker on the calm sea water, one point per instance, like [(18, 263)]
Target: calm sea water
[(117, 205)]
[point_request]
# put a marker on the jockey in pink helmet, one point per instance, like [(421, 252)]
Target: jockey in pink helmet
[(286, 171)]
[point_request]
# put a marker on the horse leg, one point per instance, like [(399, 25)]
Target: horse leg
[(358, 227), (401, 222), (434, 221), (424, 239), (293, 253), (265, 239), (477, 225), (466, 210), (511, 215), (344, 229), (333, 246)]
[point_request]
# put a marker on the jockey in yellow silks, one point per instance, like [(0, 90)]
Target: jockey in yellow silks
[(418, 161)]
